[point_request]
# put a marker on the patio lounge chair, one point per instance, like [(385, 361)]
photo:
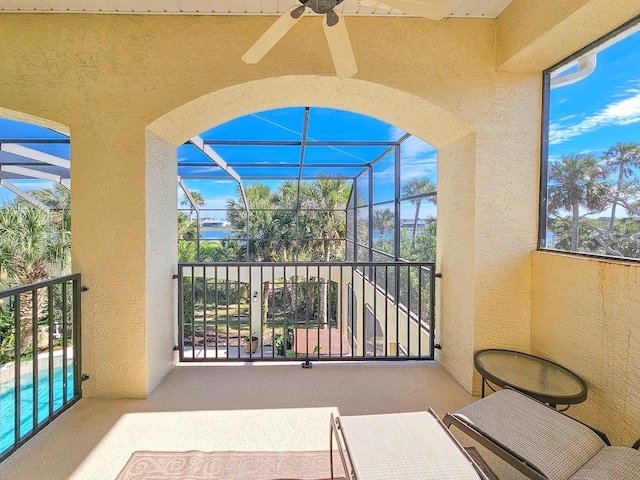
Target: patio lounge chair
[(414, 445), (543, 443)]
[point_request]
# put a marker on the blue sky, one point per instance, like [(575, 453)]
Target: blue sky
[(418, 157), (593, 114)]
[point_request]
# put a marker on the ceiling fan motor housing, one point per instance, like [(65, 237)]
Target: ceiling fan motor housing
[(322, 6)]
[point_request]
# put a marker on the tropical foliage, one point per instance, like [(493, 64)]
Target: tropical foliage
[(594, 202), (198, 200), (304, 222), (34, 246), (417, 189)]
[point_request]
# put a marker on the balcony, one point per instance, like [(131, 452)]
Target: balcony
[(135, 87)]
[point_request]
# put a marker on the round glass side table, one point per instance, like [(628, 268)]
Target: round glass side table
[(537, 377)]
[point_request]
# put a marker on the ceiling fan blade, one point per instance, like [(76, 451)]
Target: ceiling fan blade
[(273, 35), (340, 46), (433, 9)]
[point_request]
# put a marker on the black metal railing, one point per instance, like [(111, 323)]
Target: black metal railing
[(40, 374), (306, 310)]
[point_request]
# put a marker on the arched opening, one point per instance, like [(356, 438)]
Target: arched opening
[(356, 96)]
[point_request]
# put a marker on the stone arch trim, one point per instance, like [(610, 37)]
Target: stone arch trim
[(414, 114)]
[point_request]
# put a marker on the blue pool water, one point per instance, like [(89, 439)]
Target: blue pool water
[(8, 404)]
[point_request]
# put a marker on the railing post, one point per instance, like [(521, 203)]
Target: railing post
[(180, 313), (77, 336)]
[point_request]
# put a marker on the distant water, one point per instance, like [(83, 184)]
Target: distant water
[(222, 233), (387, 235)]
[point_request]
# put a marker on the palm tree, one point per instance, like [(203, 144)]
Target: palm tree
[(198, 200), (287, 202), (186, 229), (323, 199), (30, 247), (58, 199), (383, 221), (577, 181), (418, 186), (287, 205), (623, 157), (261, 229)]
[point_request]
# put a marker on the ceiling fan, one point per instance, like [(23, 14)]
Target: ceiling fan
[(335, 28)]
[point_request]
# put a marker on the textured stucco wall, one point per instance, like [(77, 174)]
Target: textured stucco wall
[(455, 260), (585, 317), (109, 77), (161, 248), (528, 41), (108, 249)]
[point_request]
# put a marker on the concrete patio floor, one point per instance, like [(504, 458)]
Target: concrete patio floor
[(252, 407)]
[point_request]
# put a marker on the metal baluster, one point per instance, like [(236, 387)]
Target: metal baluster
[(16, 394), (50, 356), (204, 311), (34, 346), (215, 270), (193, 312), (65, 307)]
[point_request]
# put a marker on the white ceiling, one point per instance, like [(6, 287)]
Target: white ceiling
[(459, 8)]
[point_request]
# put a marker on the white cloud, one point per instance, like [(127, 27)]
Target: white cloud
[(419, 159), (217, 203), (620, 113), (415, 149), (395, 133)]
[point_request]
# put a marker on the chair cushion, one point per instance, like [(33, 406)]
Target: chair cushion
[(404, 446), (554, 443), (611, 463)]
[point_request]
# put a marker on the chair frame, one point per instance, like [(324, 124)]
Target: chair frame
[(504, 452)]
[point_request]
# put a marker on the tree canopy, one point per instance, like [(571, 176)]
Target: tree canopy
[(582, 186)]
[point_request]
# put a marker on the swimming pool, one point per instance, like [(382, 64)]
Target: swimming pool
[(8, 403)]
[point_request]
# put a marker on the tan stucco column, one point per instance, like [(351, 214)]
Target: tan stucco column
[(123, 231), (455, 257), (161, 257), (488, 192)]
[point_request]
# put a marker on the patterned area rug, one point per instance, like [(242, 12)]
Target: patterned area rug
[(196, 465)]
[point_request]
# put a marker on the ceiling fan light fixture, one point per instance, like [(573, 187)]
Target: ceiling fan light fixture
[(323, 6)]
